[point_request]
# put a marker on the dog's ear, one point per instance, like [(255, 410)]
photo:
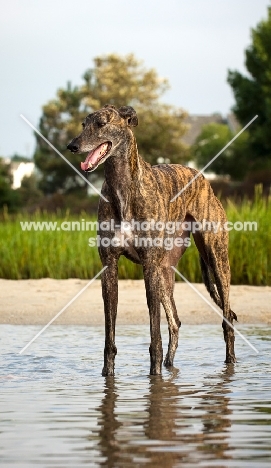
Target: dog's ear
[(105, 114), (128, 113)]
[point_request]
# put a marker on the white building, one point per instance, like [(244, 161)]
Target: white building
[(19, 170)]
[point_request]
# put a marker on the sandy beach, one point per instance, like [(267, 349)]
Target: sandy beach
[(36, 302)]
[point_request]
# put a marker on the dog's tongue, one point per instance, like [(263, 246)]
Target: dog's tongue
[(93, 157)]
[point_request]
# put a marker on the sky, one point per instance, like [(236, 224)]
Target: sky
[(46, 44)]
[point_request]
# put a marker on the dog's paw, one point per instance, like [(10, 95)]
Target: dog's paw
[(107, 372), (168, 362), (230, 360)]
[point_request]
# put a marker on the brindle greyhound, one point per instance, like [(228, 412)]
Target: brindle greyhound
[(135, 190)]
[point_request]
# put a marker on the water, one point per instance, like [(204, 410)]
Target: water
[(58, 411)]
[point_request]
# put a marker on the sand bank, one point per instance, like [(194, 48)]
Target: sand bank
[(36, 302)]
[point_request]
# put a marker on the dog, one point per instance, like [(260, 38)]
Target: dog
[(139, 193)]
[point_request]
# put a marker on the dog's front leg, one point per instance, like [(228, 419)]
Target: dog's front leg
[(151, 278), (110, 298)]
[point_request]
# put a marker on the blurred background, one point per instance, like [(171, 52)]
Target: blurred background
[(196, 72)]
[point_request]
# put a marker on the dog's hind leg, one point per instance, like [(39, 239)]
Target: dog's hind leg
[(213, 248), (166, 294), (151, 278), (221, 270), (110, 297)]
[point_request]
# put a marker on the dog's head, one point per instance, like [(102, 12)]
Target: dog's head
[(102, 132)]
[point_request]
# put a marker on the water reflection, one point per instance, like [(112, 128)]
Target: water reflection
[(162, 407), (109, 425), (163, 417), (217, 415), (165, 429)]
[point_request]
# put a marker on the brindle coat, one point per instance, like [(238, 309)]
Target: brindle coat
[(136, 190)]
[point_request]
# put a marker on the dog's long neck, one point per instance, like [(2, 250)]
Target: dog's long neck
[(124, 172)]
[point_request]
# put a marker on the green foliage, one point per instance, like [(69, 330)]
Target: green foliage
[(211, 140), (8, 196), (28, 193), (59, 124), (121, 80), (112, 80), (159, 134), (65, 254), (18, 158), (253, 96), (250, 252)]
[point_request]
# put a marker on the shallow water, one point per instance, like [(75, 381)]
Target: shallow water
[(58, 411)]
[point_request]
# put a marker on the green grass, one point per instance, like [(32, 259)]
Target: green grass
[(66, 254)]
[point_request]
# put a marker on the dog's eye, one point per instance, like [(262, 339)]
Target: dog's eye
[(101, 123)]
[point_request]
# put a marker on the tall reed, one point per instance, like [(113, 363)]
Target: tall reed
[(66, 254)]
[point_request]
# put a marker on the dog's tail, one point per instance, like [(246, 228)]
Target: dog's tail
[(210, 286)]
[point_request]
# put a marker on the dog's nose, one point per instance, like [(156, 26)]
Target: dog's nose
[(73, 147)]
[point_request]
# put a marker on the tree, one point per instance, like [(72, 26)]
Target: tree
[(113, 80), (8, 196), (253, 96), (18, 158), (211, 140), (29, 193)]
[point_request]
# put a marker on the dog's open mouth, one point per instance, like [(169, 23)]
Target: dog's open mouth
[(96, 156)]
